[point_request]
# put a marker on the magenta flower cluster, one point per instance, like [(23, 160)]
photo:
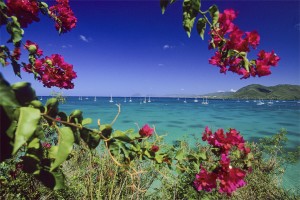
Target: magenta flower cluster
[(63, 15), (146, 131), (228, 37), (51, 71), (25, 10), (228, 177)]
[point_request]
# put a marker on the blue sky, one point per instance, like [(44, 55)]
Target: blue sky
[(128, 47)]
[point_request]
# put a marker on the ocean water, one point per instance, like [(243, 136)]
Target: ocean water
[(177, 119)]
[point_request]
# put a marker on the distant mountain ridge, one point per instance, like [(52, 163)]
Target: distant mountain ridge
[(256, 91)]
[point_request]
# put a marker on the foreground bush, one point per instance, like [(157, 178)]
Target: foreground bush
[(92, 175)]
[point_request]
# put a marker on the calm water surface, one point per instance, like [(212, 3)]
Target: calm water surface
[(177, 119)]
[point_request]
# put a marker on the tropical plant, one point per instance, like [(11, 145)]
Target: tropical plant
[(49, 145)]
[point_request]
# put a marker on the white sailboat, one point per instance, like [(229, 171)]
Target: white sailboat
[(149, 101), (145, 100), (130, 100), (184, 100), (41, 98), (270, 102), (196, 100), (125, 100), (205, 102), (260, 102), (95, 99), (111, 99)]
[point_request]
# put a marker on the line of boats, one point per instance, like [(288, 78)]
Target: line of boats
[(204, 102), (258, 102)]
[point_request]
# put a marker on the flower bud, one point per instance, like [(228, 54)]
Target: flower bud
[(32, 49), (49, 62)]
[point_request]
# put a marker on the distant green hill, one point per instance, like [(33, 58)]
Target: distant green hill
[(256, 91)]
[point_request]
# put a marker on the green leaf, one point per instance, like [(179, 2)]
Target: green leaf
[(24, 93), (76, 114), (159, 158), (14, 29), (30, 164), (38, 105), (63, 116), (16, 67), (163, 5), (121, 136), (7, 95), (12, 128), (201, 26), (117, 148), (180, 155), (192, 158), (2, 5), (6, 146), (214, 13), (246, 64), (53, 180), (190, 12), (53, 152), (65, 146), (202, 155), (27, 124), (106, 130), (59, 180), (52, 107), (91, 138), (87, 121), (44, 5), (148, 154)]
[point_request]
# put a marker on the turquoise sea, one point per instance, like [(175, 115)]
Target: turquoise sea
[(177, 119)]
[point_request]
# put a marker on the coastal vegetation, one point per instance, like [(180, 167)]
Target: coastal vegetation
[(47, 153), (256, 91)]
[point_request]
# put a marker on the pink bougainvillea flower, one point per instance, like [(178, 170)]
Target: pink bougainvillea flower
[(53, 71), (225, 141), (270, 58), (232, 46), (146, 131), (253, 39), (205, 181), (154, 148), (225, 21), (26, 11), (262, 68), (63, 16), (231, 180), (225, 162)]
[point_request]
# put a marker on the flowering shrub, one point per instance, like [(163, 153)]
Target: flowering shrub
[(63, 15), (231, 54), (51, 71), (26, 11), (230, 178), (231, 43), (24, 119)]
